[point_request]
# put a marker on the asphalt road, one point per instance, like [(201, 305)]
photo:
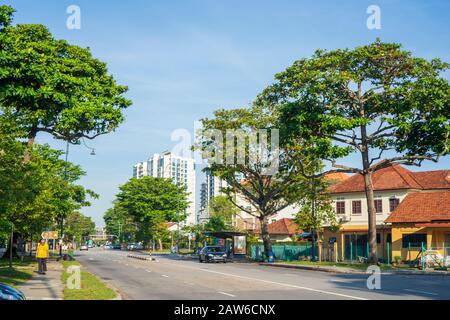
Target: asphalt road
[(173, 279)]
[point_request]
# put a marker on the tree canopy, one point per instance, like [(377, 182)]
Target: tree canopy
[(78, 227), (376, 100), (235, 142), (53, 86), (151, 203), (222, 208)]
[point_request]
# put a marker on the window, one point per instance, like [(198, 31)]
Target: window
[(340, 207), (414, 240), (356, 207), (378, 205), (393, 203)]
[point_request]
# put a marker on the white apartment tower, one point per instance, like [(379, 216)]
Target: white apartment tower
[(181, 170), (140, 170)]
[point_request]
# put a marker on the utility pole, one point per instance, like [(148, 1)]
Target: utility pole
[(11, 246), (65, 178), (62, 217), (120, 225)]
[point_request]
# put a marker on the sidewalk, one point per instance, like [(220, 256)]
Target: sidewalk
[(45, 287)]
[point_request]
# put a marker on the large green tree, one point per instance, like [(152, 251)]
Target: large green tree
[(35, 193), (221, 208), (119, 224), (53, 86), (152, 202), (78, 226), (48, 86), (316, 211), (377, 101), (241, 148)]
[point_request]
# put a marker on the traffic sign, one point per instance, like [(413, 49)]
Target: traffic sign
[(49, 235)]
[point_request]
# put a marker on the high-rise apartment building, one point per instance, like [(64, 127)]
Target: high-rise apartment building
[(181, 170), (140, 170)]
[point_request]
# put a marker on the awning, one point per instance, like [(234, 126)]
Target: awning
[(433, 225)]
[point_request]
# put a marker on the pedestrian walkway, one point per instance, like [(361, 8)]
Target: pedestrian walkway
[(45, 287)]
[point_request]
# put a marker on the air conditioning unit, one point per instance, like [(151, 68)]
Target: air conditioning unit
[(344, 219)]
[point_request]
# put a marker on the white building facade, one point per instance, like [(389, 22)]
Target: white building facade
[(140, 170), (179, 169)]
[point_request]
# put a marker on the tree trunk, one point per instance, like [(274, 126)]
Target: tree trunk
[(6, 254), (31, 137), (160, 245), (368, 187), (372, 237), (265, 236)]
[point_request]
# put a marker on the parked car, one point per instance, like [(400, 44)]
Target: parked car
[(135, 246), (115, 246), (213, 254), (84, 247), (9, 293)]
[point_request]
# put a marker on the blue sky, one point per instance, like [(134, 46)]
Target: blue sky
[(183, 59)]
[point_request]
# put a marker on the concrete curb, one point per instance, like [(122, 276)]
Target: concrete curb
[(347, 271), (142, 258), (310, 268)]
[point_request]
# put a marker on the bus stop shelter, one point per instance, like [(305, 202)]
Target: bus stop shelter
[(234, 241)]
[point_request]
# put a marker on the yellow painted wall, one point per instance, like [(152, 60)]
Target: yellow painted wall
[(435, 240), (358, 229)]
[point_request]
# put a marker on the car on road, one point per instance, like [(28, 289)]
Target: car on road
[(135, 246), (9, 293), (84, 247), (115, 246), (212, 254)]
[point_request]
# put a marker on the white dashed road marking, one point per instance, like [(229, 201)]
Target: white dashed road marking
[(288, 285), (227, 294)]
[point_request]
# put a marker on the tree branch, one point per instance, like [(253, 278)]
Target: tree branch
[(408, 160)]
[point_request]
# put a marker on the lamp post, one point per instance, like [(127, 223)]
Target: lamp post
[(65, 178), (11, 245)]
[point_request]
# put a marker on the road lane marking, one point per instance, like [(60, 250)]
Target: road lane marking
[(148, 270), (288, 285), (164, 276), (227, 294), (419, 291)]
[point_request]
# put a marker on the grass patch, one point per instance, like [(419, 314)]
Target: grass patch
[(92, 288), (21, 271)]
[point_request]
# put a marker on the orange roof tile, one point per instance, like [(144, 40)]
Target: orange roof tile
[(336, 177), (396, 177), (283, 226), (422, 207)]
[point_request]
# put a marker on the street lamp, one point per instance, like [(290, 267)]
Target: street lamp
[(65, 178)]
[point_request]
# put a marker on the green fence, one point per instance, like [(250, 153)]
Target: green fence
[(284, 252)]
